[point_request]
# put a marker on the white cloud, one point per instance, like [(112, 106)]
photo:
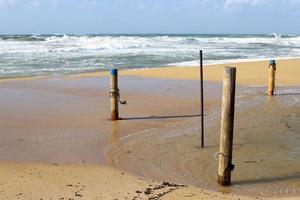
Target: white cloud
[(6, 2)]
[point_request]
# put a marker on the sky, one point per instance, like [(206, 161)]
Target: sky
[(149, 16)]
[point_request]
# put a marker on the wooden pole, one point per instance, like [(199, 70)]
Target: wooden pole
[(114, 95), (227, 123), (201, 98), (272, 73)]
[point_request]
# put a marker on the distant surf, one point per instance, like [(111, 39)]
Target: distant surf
[(35, 55)]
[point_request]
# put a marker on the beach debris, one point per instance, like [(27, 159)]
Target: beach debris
[(172, 184), (77, 194), (158, 187), (148, 191), (156, 191), (249, 161), (19, 194)]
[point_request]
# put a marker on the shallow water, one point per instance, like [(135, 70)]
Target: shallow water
[(65, 121), (266, 149)]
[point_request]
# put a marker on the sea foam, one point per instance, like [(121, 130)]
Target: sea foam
[(31, 55)]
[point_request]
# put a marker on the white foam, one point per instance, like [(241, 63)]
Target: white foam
[(57, 52), (228, 61)]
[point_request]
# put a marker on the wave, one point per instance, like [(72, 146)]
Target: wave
[(72, 53), (20, 38)]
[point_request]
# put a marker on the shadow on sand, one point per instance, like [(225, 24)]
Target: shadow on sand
[(159, 117), (268, 180), (288, 94)]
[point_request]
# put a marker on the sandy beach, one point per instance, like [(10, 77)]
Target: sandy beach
[(56, 141), (249, 73)]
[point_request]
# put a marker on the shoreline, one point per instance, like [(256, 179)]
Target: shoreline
[(234, 61), (248, 73), (64, 119), (214, 72)]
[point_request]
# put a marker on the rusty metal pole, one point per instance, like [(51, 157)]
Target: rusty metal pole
[(114, 95), (201, 98), (272, 74), (227, 124)]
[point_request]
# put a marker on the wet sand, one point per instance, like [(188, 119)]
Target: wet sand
[(62, 124), (266, 148), (40, 118)]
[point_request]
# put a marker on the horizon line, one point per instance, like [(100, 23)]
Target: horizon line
[(149, 33)]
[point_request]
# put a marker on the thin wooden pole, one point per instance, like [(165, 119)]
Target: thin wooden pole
[(227, 123), (114, 95), (201, 98), (272, 73)]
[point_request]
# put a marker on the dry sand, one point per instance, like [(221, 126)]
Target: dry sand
[(38, 181), (57, 121), (248, 73)]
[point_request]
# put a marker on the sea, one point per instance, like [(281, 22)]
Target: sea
[(62, 54)]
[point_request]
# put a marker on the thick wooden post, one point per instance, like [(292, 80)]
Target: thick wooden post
[(227, 123), (272, 73), (114, 95)]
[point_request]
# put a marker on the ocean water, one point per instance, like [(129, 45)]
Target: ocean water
[(34, 55)]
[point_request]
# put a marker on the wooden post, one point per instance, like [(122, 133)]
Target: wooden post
[(114, 95), (272, 73), (201, 98), (227, 122)]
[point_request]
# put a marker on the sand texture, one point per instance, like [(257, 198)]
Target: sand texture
[(37, 181), (56, 141), (248, 73)]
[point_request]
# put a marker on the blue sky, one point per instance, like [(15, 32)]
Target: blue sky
[(149, 16)]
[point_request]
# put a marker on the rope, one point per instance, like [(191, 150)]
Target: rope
[(218, 154), (114, 93)]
